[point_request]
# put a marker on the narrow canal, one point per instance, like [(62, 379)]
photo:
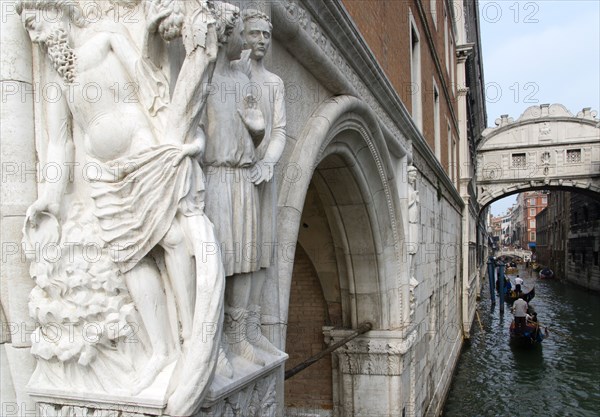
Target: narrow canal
[(559, 378)]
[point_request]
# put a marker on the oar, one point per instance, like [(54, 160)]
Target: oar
[(556, 331), (479, 319)]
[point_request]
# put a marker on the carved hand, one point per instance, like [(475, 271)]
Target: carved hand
[(252, 117), (262, 172), (41, 205), (188, 149), (155, 16)]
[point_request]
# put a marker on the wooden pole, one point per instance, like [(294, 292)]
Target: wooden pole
[(363, 328)]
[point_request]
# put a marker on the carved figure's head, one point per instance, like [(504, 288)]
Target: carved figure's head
[(257, 33), (228, 27), (42, 16), (412, 175), (45, 22)]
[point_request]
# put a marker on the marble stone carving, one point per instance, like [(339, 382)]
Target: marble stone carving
[(131, 302), (245, 281), (414, 225)]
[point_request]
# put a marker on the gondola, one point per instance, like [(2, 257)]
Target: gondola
[(511, 296), (530, 335), (546, 273)]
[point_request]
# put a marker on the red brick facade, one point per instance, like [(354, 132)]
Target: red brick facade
[(311, 388), (385, 25)]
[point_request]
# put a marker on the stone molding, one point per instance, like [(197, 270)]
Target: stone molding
[(302, 29), (334, 116), (376, 353)]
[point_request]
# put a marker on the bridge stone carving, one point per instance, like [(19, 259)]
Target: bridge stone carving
[(520, 253), (547, 147)]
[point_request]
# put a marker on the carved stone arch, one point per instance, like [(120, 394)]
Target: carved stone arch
[(343, 155), (492, 195)]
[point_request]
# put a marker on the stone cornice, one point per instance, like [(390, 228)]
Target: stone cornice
[(427, 157), (306, 29), (378, 352)]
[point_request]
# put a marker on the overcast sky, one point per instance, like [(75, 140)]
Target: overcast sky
[(537, 52)]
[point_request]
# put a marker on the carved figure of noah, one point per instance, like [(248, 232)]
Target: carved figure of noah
[(150, 192)]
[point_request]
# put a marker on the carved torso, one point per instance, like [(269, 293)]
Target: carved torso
[(104, 102), (228, 142)]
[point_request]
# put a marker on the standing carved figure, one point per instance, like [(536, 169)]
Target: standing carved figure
[(414, 216), (245, 292), (414, 226), (232, 199)]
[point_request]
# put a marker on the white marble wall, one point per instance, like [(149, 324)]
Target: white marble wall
[(18, 190)]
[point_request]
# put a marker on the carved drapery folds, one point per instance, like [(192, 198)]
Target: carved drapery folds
[(125, 250)]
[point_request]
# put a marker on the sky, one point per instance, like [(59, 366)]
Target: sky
[(537, 52)]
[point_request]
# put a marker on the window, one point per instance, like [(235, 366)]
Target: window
[(532, 236), (415, 75), (433, 9), (532, 212), (436, 122), (544, 200), (532, 223), (519, 160), (532, 201), (449, 147), (452, 65), (446, 39), (454, 163), (573, 156)]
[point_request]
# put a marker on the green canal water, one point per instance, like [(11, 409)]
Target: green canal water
[(559, 378)]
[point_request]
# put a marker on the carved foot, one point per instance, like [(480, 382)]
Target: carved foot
[(155, 365), (254, 332), (224, 367), (265, 344), (235, 330), (246, 351)]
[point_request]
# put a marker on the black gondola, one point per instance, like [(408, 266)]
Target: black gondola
[(511, 296), (546, 273), (529, 335)]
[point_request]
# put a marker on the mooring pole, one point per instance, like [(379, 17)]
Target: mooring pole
[(501, 285), (491, 266), (363, 328)]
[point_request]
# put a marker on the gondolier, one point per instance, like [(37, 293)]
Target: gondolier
[(519, 310)]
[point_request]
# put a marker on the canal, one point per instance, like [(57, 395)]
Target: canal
[(559, 378)]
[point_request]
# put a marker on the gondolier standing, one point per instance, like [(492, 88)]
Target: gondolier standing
[(519, 310), (518, 284)]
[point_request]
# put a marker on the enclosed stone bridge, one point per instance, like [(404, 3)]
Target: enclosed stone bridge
[(546, 148), (517, 253)]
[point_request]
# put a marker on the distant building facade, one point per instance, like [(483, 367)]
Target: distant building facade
[(531, 202), (569, 238)]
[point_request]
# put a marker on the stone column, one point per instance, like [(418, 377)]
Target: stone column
[(464, 180), (372, 373), (19, 190)]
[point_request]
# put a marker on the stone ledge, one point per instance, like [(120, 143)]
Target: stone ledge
[(223, 387)]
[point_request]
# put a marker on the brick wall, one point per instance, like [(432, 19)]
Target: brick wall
[(311, 388), (384, 24)]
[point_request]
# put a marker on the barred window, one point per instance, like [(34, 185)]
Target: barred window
[(519, 160), (573, 156)]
